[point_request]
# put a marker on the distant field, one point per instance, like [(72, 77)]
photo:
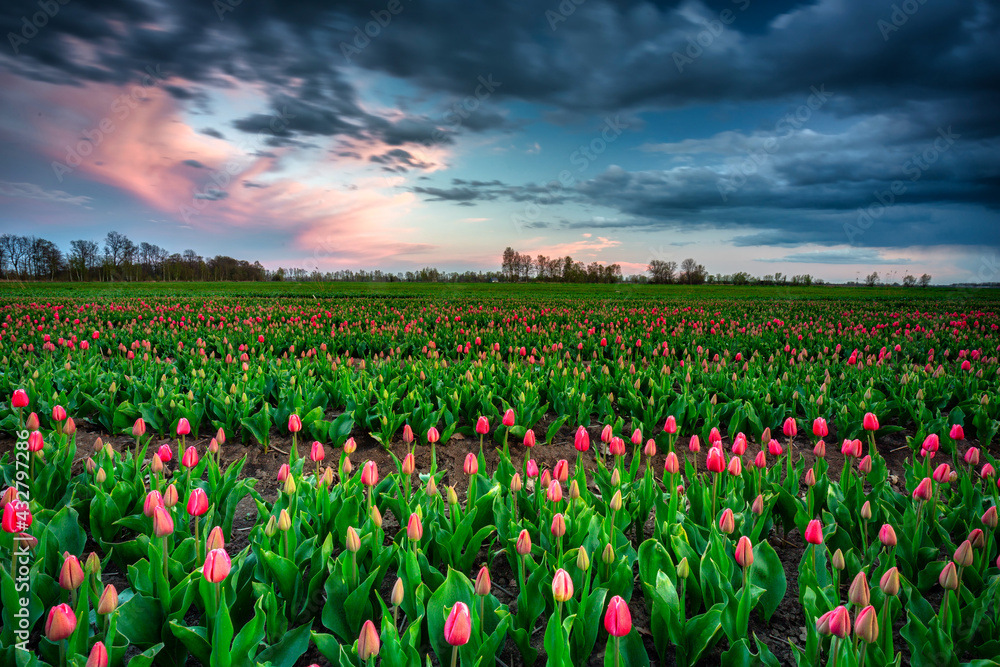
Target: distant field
[(482, 290)]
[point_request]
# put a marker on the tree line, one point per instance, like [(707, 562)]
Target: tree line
[(117, 258), (521, 267)]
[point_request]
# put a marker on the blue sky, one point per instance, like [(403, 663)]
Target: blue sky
[(833, 137)]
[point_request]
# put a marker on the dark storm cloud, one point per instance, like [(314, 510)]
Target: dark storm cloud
[(194, 163), (895, 80), (468, 192), (399, 157), (212, 132)]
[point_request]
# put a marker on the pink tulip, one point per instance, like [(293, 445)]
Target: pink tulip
[(217, 566), (197, 502), (814, 532), (482, 426), (508, 418), (870, 422), (618, 619), (19, 399), (458, 625), (183, 427), (190, 458), (670, 426)]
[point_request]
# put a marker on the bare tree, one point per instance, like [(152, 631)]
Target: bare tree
[(872, 279), (925, 280), (909, 281), (83, 257), (115, 247), (662, 272)]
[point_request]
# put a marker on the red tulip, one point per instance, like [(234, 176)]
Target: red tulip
[(98, 656), (714, 436), (637, 437), (153, 500), (957, 432), (190, 458), (820, 449), (618, 619), (283, 472), (694, 445), (820, 429), (529, 438), (58, 413), (948, 579), (790, 428), (716, 463), (554, 492), (840, 622), (458, 625), (407, 434), (735, 466), (532, 468), (866, 625), (433, 435), (887, 535), (558, 527), (471, 466), (990, 519), (942, 473), (814, 532), (197, 502), (972, 456), (183, 427), (350, 446), (987, 471), (19, 399), (670, 426), (483, 582), (774, 448), (606, 434), (482, 426), (672, 465), (35, 441), (139, 428), (561, 471), (508, 418), (870, 422), (316, 452), (924, 490), (60, 624), (294, 423), (760, 461), (409, 464), (650, 449), (163, 523), (581, 441), (523, 544), (165, 453), (865, 464), (217, 566)]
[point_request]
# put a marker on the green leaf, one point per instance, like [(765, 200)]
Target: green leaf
[(286, 652), (140, 620), (768, 573)]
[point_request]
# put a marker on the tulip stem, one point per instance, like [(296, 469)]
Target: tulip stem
[(618, 652), (166, 572), (197, 541), (62, 651), (454, 656)]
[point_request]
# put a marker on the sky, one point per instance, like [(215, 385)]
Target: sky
[(833, 137)]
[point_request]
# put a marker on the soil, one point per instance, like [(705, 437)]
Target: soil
[(787, 624)]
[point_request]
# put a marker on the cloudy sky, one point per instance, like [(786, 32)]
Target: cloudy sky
[(830, 137)]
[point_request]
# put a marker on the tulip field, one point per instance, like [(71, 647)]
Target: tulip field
[(586, 477)]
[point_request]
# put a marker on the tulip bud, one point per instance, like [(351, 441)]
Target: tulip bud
[(483, 582), (516, 484), (582, 560), (396, 596), (69, 428), (820, 449), (683, 568), (350, 446), (963, 554), (744, 552), (471, 466), (272, 526), (616, 478), (887, 536), (452, 495), (865, 465), (858, 593), (376, 516), (758, 505), (608, 555), (326, 480), (414, 529), (523, 544), (727, 522), (190, 458), (92, 566), (432, 489), (972, 456), (108, 601), (71, 574), (616, 501), (284, 472), (866, 625), (977, 538), (101, 476), (213, 446), (989, 518), (409, 464), (889, 583), (353, 542), (948, 579), (215, 539), (838, 560), (290, 486), (156, 464), (368, 642), (562, 586), (558, 525), (866, 511), (810, 477), (284, 520)]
